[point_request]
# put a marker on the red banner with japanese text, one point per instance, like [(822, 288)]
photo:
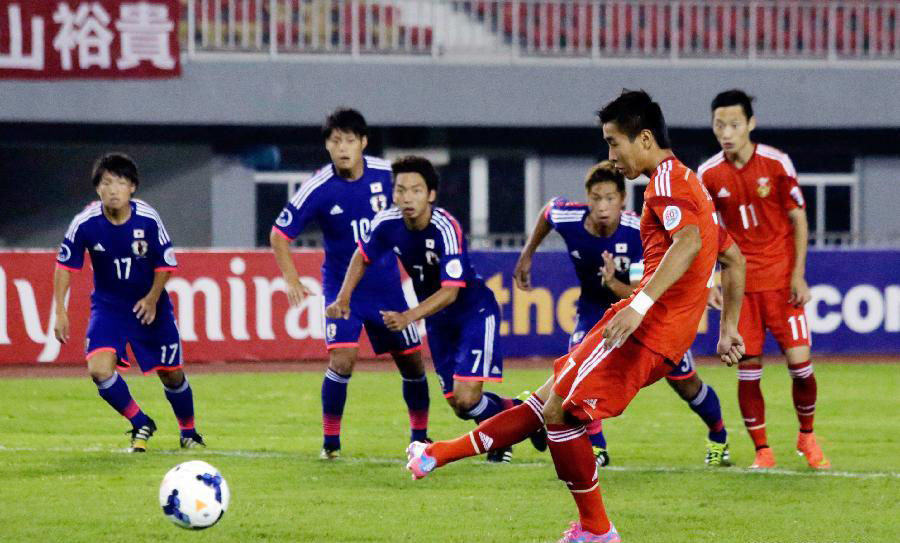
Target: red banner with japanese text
[(61, 39)]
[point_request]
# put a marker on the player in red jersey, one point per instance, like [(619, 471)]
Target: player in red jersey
[(755, 191), (636, 341)]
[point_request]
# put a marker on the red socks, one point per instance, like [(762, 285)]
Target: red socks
[(804, 391), (502, 430), (753, 407), (577, 467)]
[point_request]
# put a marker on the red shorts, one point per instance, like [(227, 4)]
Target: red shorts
[(770, 310), (597, 382)]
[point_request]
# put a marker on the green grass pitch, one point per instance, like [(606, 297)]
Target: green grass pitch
[(64, 475)]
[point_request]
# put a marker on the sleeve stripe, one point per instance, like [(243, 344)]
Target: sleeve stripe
[(144, 209), (309, 186), (775, 154), (386, 215), (362, 251), (662, 181), (442, 227), (715, 160), (92, 211), (377, 163), (450, 230)]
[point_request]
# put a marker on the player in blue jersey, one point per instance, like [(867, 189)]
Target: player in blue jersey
[(604, 245), (461, 315), (343, 197), (132, 257)]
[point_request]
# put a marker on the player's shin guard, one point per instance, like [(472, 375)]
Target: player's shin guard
[(576, 466), (750, 399), (182, 400), (595, 433), (415, 393), (804, 391), (116, 393), (334, 396), (706, 405), (502, 430)]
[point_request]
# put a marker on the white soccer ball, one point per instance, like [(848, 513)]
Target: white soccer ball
[(194, 495)]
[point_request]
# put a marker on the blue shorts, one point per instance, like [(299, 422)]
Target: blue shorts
[(365, 311), (684, 369), (466, 348), (589, 315), (156, 346)]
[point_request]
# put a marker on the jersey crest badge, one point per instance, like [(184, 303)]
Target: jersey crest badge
[(284, 218), (671, 217), (376, 188), (169, 257), (432, 258), (99, 248), (139, 247), (336, 210), (454, 268), (138, 233), (763, 187)]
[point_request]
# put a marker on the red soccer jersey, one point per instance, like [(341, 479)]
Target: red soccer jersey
[(754, 203), (674, 199)]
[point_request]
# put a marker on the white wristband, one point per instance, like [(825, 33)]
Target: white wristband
[(641, 303)]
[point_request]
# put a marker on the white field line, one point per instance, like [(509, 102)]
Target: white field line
[(399, 461)]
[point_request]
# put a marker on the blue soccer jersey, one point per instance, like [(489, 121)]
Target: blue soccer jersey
[(433, 257), (344, 210), (125, 258), (464, 336), (586, 250)]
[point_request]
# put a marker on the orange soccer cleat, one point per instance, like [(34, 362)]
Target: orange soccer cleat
[(764, 459), (807, 446)]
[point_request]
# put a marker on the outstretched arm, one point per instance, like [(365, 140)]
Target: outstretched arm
[(799, 289), (522, 273), (397, 321), (731, 344), (686, 243), (281, 246), (61, 280), (340, 308)]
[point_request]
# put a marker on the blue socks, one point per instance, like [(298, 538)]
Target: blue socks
[(415, 394), (334, 396), (116, 393), (706, 405), (182, 400)]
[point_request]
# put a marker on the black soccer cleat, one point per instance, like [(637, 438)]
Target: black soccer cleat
[(500, 456), (140, 435), (194, 441)]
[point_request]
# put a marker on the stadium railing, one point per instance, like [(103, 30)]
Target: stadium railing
[(509, 30)]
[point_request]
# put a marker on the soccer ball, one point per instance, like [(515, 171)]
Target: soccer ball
[(194, 495)]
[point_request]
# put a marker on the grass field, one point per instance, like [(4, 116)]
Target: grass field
[(64, 475)]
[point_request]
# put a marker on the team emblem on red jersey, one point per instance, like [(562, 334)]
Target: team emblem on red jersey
[(763, 188)]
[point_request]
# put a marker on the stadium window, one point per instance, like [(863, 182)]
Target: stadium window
[(832, 207), (506, 187), (272, 191)]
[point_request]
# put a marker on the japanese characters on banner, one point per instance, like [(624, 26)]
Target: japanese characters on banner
[(232, 306), (49, 39)]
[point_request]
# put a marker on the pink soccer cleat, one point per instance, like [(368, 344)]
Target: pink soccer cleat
[(420, 464), (576, 535)]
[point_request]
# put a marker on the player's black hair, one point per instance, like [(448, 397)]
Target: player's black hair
[(118, 164), (634, 111), (419, 165), (345, 120), (734, 97), (604, 171)]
